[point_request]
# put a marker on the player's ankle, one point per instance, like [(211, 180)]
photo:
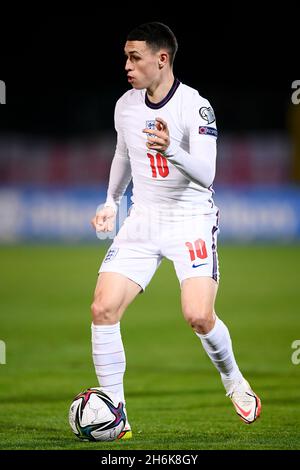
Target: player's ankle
[(232, 380)]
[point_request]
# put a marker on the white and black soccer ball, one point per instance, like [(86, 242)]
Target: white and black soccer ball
[(96, 415)]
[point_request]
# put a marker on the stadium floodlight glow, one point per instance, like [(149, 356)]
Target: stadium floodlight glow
[(2, 92), (296, 93)]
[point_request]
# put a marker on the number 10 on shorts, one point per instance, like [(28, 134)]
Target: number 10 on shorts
[(197, 249)]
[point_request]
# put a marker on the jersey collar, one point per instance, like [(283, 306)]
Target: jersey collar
[(166, 99)]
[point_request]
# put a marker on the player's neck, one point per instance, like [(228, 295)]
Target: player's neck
[(159, 90)]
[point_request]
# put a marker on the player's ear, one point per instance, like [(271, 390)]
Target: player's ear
[(163, 59)]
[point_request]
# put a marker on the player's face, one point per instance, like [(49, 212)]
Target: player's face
[(141, 64)]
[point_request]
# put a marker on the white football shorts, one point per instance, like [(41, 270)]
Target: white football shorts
[(143, 241)]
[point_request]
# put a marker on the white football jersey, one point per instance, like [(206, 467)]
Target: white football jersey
[(158, 183)]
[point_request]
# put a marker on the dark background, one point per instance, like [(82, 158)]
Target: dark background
[(65, 71)]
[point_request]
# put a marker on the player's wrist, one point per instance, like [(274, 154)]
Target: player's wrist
[(114, 208), (171, 150), (111, 203)]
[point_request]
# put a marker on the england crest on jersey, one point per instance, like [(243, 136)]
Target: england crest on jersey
[(151, 125)]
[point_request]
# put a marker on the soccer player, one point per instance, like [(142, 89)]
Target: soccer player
[(166, 143)]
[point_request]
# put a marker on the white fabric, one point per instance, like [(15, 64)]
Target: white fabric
[(120, 174), (180, 179), (200, 164), (218, 346), (143, 241), (109, 358)]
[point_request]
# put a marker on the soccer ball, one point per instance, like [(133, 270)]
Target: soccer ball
[(96, 415)]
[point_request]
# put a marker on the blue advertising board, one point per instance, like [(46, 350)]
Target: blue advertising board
[(63, 215)]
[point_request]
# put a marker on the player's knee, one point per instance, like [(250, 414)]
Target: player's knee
[(200, 319), (104, 312)]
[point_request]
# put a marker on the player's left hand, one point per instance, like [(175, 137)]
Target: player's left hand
[(161, 141)]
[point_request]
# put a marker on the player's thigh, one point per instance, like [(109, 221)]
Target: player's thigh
[(198, 295), (192, 247), (134, 253), (113, 293)]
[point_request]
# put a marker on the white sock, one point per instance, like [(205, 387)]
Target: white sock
[(109, 358), (218, 346)]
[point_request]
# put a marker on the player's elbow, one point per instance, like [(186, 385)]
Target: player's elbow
[(206, 179), (209, 181), (206, 170), (209, 166)]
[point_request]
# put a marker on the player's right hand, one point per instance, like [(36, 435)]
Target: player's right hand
[(104, 220)]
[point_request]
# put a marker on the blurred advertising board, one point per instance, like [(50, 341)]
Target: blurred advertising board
[(63, 215)]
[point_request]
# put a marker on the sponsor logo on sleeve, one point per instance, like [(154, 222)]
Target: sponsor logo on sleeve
[(207, 114), (205, 130)]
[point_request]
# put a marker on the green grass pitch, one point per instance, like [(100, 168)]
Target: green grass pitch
[(175, 398)]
